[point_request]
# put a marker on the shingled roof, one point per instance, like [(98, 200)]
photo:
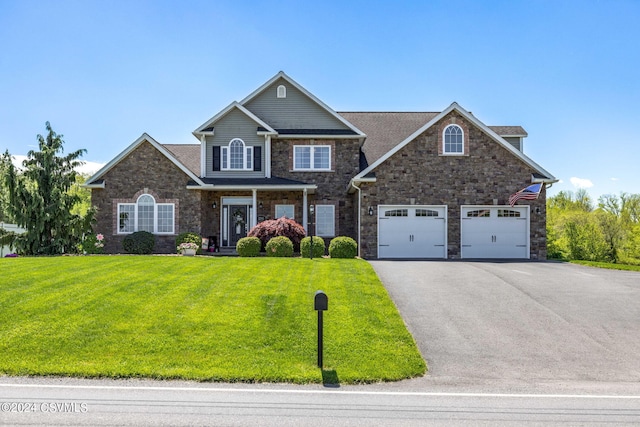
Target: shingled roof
[(385, 129), (187, 154)]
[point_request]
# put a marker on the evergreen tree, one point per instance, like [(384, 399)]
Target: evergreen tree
[(40, 201)]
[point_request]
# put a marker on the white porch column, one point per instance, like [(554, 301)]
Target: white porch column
[(203, 156), (304, 210), (267, 156), (254, 211)]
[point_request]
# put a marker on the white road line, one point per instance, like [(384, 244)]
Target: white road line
[(352, 392), (522, 272)]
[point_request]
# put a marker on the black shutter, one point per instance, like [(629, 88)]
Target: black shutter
[(216, 158), (257, 158)]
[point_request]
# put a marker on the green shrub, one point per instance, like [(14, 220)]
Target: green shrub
[(280, 246), (92, 244), (267, 230), (343, 247), (189, 238), (318, 247), (140, 242), (249, 246)]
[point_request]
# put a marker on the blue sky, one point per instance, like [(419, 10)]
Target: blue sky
[(105, 72)]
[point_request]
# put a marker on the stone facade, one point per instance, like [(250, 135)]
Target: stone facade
[(486, 174), (333, 185), (146, 171)]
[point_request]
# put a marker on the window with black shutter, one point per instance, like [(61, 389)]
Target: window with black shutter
[(257, 158)]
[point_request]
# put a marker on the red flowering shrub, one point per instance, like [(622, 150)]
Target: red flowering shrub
[(266, 230)]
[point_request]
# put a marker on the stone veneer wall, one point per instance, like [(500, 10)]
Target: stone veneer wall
[(146, 170), (418, 173), (332, 185)]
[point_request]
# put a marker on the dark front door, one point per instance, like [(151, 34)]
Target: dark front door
[(237, 223)]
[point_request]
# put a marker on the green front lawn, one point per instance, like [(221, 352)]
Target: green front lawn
[(608, 265), (200, 318)]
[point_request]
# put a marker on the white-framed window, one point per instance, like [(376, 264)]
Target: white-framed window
[(281, 92), (146, 215), (312, 157), (325, 220), (236, 156), (284, 210), (453, 140)]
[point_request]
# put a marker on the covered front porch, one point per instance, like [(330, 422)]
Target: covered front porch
[(231, 209)]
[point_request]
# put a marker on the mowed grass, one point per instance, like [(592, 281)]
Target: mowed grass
[(608, 265), (200, 318)]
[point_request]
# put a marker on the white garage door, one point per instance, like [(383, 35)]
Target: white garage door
[(495, 232), (412, 231)]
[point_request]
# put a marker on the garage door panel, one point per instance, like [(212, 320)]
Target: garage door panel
[(494, 232), (412, 232)]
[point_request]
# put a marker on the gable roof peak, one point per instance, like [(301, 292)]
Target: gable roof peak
[(235, 104), (145, 137)]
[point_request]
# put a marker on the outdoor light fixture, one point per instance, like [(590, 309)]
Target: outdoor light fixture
[(311, 211), (370, 211), (538, 210), (215, 205), (260, 205)]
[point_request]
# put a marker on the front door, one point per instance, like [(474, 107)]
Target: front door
[(238, 223)]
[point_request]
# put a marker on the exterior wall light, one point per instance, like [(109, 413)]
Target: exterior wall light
[(215, 205), (370, 211)]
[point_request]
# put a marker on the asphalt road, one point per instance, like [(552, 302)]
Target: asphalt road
[(137, 403)]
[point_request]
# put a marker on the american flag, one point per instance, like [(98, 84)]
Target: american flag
[(530, 193)]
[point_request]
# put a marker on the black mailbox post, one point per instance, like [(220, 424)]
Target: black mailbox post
[(321, 303)]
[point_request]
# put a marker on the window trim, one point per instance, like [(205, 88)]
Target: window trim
[(247, 156), (293, 210), (333, 220), (444, 141), (281, 91), (312, 148), (136, 216)]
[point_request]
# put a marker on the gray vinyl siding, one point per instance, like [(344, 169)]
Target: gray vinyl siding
[(516, 141), (234, 125), (296, 111)]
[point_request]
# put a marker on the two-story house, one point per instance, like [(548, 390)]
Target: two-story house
[(404, 185)]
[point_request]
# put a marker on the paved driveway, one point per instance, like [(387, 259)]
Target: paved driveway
[(515, 323)]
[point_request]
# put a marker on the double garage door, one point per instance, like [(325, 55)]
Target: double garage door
[(421, 232)]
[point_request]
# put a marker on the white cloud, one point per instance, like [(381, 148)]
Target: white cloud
[(89, 168), (614, 179), (581, 182)]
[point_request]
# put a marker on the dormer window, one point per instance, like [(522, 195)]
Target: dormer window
[(237, 156), (453, 140), (281, 91)]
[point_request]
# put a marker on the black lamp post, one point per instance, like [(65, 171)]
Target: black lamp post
[(311, 211)]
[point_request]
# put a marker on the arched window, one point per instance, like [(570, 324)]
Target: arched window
[(453, 140), (281, 91), (146, 215), (237, 156)]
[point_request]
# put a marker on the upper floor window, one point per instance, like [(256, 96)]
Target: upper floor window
[(146, 215), (237, 156), (281, 91), (312, 157), (453, 138)]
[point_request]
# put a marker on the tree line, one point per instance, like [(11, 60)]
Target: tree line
[(580, 229)]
